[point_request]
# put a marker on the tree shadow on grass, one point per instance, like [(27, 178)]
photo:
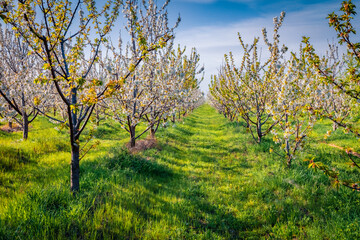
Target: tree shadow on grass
[(13, 158), (178, 138), (158, 182), (38, 161), (183, 132), (122, 160), (4, 134), (108, 131)]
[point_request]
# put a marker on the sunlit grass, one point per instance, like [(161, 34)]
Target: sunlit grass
[(206, 180)]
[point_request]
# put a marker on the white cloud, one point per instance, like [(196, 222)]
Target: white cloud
[(212, 42)]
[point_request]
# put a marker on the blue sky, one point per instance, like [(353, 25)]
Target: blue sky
[(212, 25), (217, 12)]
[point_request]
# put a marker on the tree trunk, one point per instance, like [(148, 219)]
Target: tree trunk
[(335, 126), (152, 133), (259, 133), (75, 148), (97, 118), (132, 136), (10, 122), (246, 122), (288, 155), (288, 163), (75, 167), (25, 119), (287, 145), (25, 126)]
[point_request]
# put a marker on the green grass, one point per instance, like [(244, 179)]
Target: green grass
[(206, 180)]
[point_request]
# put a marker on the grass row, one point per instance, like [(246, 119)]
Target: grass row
[(206, 180)]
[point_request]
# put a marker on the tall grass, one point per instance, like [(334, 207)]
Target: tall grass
[(206, 180)]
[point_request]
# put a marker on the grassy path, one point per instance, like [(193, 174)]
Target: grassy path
[(206, 180)]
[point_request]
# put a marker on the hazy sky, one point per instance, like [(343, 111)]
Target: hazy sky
[(212, 25)]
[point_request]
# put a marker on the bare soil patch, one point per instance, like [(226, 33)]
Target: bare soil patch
[(8, 129), (143, 145)]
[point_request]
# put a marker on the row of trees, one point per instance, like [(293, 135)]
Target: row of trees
[(285, 94), (57, 60)]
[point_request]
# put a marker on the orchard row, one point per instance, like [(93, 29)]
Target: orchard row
[(285, 94), (57, 59)]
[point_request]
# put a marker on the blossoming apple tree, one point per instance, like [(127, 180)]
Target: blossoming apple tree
[(67, 36), (20, 96), (130, 104), (346, 87), (250, 88)]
